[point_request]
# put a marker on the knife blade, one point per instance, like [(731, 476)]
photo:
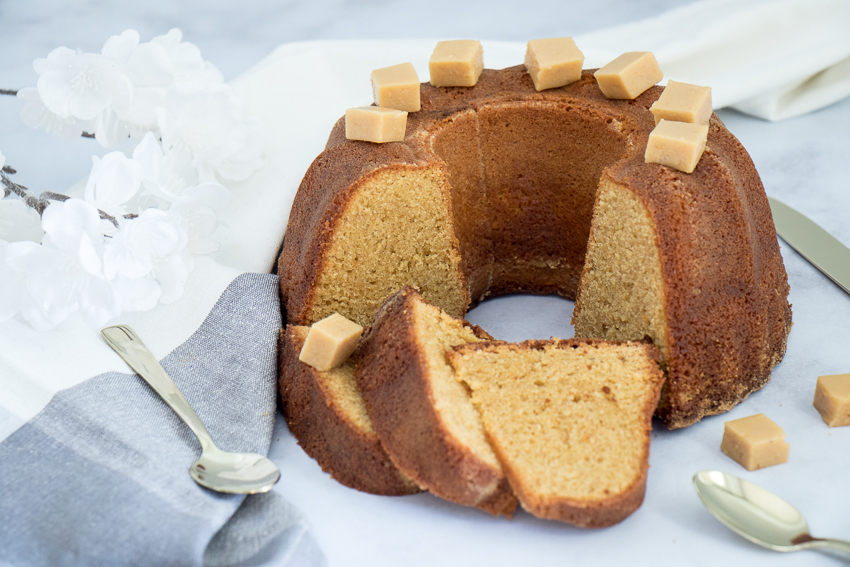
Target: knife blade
[(815, 244)]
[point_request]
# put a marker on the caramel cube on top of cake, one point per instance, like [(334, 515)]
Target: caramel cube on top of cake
[(676, 144), (832, 399), (630, 74), (553, 62), (456, 63), (330, 342), (683, 102), (755, 442), (396, 87), (375, 124)]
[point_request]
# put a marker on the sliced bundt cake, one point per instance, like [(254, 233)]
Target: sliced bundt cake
[(326, 414), (570, 421), (422, 415), (494, 191)]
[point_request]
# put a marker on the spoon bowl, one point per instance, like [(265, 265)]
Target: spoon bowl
[(757, 514), (222, 471), (234, 472)]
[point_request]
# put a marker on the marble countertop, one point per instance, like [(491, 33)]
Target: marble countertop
[(803, 162)]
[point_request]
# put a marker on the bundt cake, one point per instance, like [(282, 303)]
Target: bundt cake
[(421, 413), (498, 188), (570, 421), (325, 412)]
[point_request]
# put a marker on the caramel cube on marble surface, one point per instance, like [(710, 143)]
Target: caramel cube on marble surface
[(630, 74), (683, 102), (676, 144), (396, 87), (832, 399), (553, 62), (456, 63), (330, 342), (755, 442), (375, 124)]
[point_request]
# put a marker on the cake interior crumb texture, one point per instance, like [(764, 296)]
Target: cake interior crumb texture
[(621, 298), (342, 388), (364, 267), (435, 333), (569, 420)]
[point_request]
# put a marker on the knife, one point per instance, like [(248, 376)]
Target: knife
[(815, 244)]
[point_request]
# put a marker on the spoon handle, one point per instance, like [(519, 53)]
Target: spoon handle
[(130, 347), (838, 544)]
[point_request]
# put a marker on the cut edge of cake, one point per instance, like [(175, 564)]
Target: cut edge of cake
[(325, 412), (422, 415), (616, 422)]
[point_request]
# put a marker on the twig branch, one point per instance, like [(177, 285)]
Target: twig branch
[(40, 203)]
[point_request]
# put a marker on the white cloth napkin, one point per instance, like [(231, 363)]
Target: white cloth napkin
[(773, 59)]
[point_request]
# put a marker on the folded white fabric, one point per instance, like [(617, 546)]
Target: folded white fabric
[(772, 59)]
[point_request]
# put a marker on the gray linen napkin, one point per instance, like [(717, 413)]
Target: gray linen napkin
[(100, 475)]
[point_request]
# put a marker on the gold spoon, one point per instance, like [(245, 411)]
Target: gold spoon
[(758, 515), (222, 471)]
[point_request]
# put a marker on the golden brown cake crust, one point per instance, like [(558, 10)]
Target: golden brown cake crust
[(352, 456), (726, 288), (391, 374), (728, 315), (583, 513)]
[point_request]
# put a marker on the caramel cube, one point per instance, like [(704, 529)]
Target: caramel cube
[(396, 87), (330, 342), (683, 102), (755, 442), (832, 399), (456, 63), (676, 144), (553, 62), (375, 124), (629, 75)]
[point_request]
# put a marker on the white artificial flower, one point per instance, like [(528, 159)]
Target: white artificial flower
[(169, 178), (18, 221), (172, 273), (35, 115), (189, 65), (148, 260), (114, 180), (165, 177), (63, 274), (149, 67), (208, 123), (111, 130), (81, 85), (119, 48), (197, 207), (191, 133)]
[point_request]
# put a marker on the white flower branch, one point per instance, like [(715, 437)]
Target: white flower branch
[(57, 255), (40, 203)]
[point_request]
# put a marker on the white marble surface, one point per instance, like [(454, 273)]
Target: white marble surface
[(803, 162)]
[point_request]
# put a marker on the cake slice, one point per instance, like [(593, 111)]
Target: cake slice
[(326, 414), (570, 421), (423, 416)]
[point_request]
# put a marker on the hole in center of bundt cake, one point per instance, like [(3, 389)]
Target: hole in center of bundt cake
[(520, 317)]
